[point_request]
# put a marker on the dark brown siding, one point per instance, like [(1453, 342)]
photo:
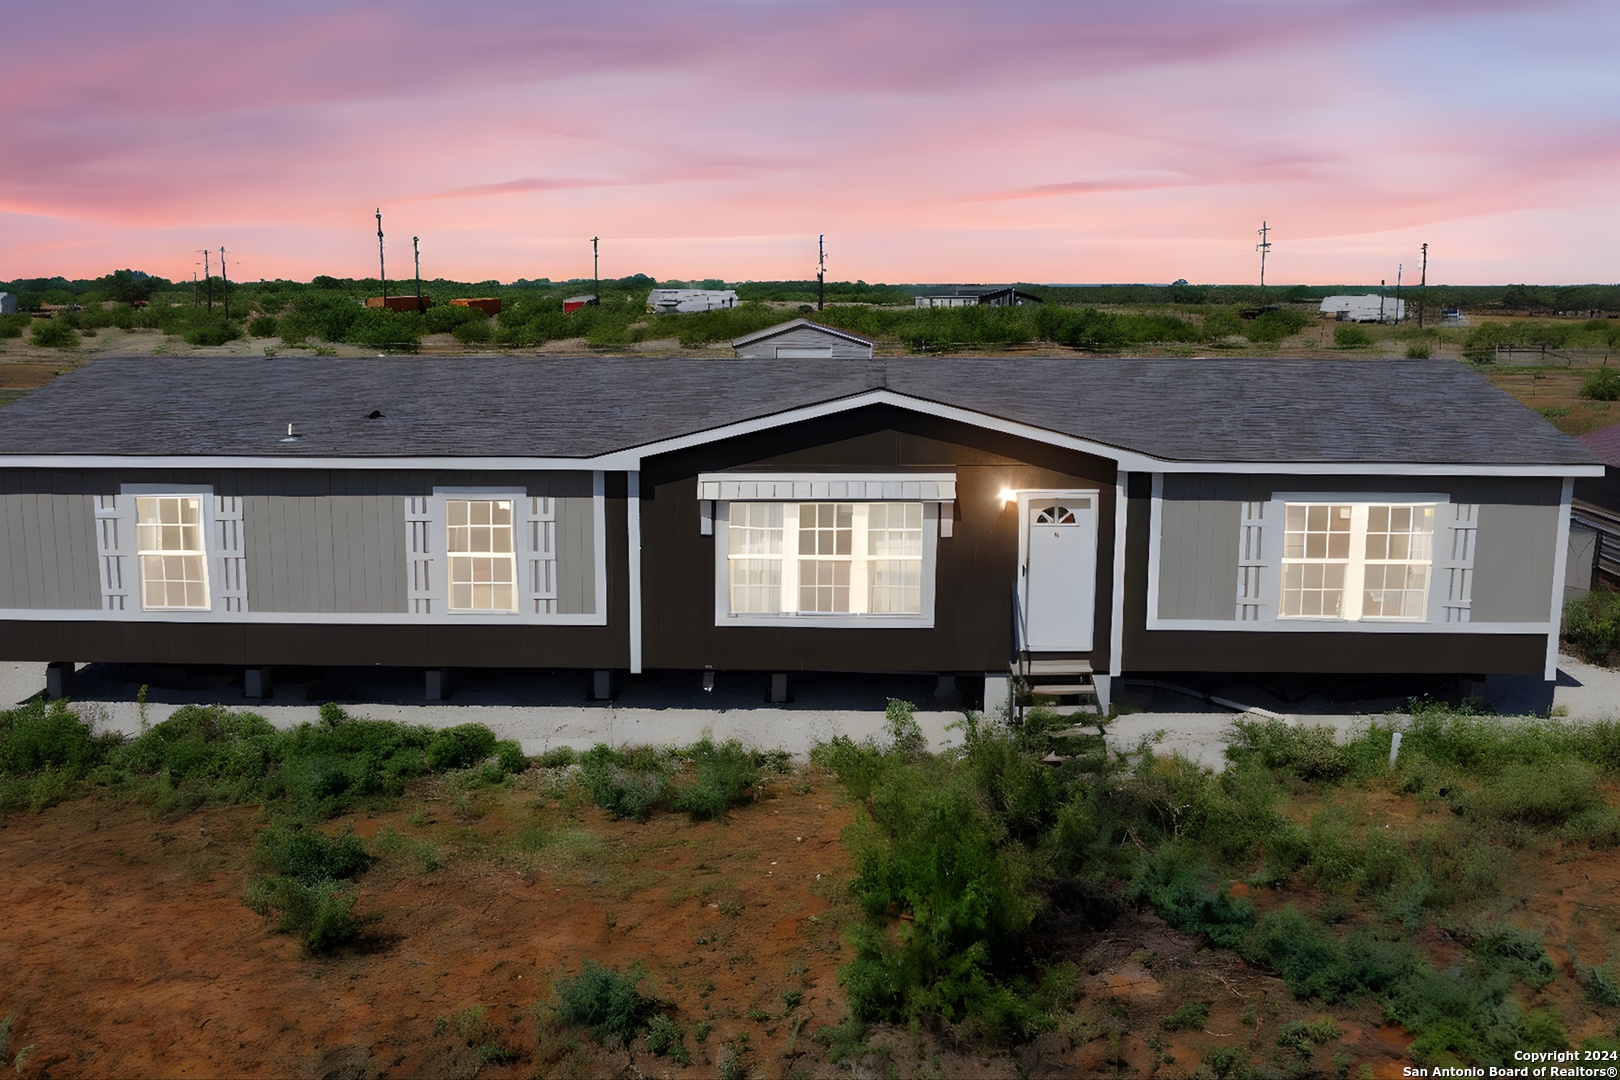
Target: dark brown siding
[(1149, 651), (974, 574)]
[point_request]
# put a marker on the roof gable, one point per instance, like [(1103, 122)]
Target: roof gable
[(799, 324)]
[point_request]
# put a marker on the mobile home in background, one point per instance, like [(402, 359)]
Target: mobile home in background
[(1371, 308), (685, 300)]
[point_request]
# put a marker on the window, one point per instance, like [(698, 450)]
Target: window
[(173, 555), (826, 559), (755, 557), (483, 562), (1356, 561)]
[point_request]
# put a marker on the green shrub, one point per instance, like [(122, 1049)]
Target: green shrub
[(1226, 1063), (606, 1001), (1601, 983), (1172, 880), (666, 1037), (444, 318), (13, 325), (474, 332), (55, 334), (1222, 323), (557, 757), (1517, 952), (619, 786), (1592, 626), (212, 330), (1418, 352), (1271, 327), (262, 326), (1311, 753), (1348, 336), (1602, 385), (1536, 794), (510, 757), (722, 777), (319, 912), (1306, 954), (1303, 1037), (307, 855), (460, 746), (1190, 1017), (39, 734), (384, 328)]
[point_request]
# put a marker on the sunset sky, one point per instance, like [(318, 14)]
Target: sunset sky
[(930, 142)]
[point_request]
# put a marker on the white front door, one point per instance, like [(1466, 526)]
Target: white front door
[(1059, 578)]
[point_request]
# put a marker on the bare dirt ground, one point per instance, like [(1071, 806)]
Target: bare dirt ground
[(130, 954)]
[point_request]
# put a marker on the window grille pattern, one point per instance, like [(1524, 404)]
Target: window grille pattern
[(170, 542), (826, 546), (1356, 561), (483, 562), (755, 557), (894, 539)]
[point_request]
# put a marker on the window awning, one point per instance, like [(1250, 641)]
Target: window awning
[(851, 487)]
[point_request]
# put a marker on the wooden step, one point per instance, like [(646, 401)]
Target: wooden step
[(1037, 667), (1062, 690)]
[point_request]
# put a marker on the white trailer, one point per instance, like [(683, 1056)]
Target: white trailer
[(1368, 308), (691, 299)]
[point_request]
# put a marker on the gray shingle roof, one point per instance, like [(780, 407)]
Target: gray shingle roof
[(1431, 412)]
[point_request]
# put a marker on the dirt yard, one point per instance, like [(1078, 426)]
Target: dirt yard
[(130, 954)]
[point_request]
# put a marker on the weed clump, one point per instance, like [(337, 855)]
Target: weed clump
[(605, 1000)]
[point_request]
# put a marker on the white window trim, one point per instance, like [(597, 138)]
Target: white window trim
[(723, 615)]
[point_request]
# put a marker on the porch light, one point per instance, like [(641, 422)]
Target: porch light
[(1007, 496)]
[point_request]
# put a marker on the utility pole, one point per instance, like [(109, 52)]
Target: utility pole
[(224, 282), (1262, 247), (416, 253), (596, 272), (193, 284), (1383, 283), (208, 280), (1423, 288), (382, 271), (1398, 293), (821, 271)]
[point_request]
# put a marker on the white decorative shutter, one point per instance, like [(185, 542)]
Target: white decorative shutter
[(229, 557), (537, 555), (1251, 603), (419, 534), (115, 552), (1454, 562)]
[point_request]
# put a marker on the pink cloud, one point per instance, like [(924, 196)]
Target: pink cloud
[(1030, 141)]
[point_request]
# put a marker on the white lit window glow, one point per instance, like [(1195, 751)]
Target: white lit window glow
[(172, 551), (1356, 561)]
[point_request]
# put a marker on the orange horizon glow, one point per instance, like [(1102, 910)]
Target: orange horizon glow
[(1098, 142)]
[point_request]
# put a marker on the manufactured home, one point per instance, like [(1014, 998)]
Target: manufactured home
[(1371, 308), (802, 339), (977, 296), (688, 300), (1072, 519)]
